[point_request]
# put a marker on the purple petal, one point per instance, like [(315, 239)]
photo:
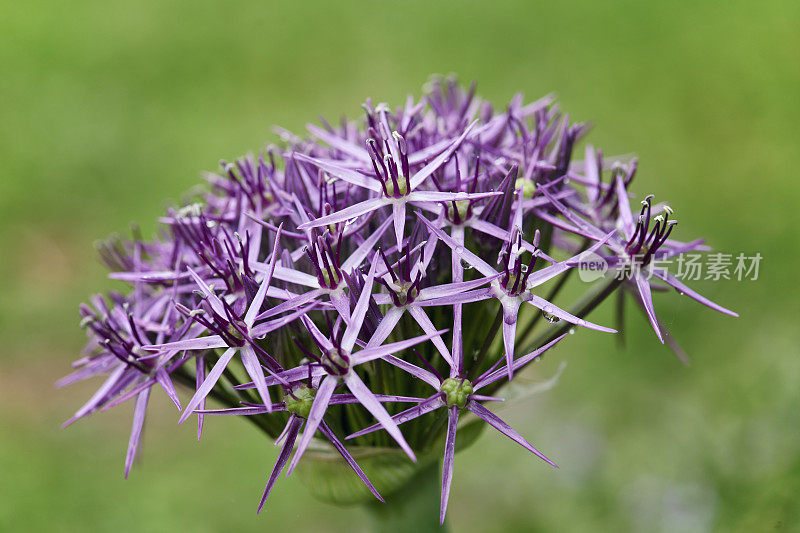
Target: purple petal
[(683, 289), (592, 176), (370, 354), (290, 275), (98, 396), (451, 289), (163, 379), (199, 343), (424, 407), (357, 257), (256, 373), (348, 213), (414, 370), (427, 326), (258, 300), (342, 173), (493, 375), (152, 276), (290, 304), (399, 218), (460, 298), (624, 208), (318, 409), (581, 224), (249, 409), (262, 329), (482, 266), (509, 336), (136, 430), (495, 421), (359, 311), (482, 398), (200, 376), (338, 399), (386, 326), (215, 302), (372, 405), (339, 143), (548, 273), (341, 302), (349, 459), (208, 383), (554, 310), (430, 168), (293, 426), (287, 376), (447, 462), (643, 288), (437, 196)]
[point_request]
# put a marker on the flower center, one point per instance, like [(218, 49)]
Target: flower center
[(456, 391), (330, 278), (528, 187), (234, 331), (459, 213), (404, 293), (300, 400), (515, 280), (401, 190), (336, 362)]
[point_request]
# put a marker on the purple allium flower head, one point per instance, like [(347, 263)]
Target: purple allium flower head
[(281, 293)]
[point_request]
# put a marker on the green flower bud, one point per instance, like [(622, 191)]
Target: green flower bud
[(300, 400), (456, 391)]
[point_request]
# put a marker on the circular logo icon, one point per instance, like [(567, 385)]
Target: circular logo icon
[(591, 266)]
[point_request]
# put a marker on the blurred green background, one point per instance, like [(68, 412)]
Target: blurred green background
[(109, 110)]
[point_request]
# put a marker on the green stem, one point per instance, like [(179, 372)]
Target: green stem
[(414, 508)]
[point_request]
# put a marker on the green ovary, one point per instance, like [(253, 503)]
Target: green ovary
[(457, 391), (402, 187), (528, 187), (300, 400)]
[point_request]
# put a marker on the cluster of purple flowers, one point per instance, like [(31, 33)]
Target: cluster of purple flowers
[(368, 273)]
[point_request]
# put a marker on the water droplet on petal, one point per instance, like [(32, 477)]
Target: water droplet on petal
[(550, 317)]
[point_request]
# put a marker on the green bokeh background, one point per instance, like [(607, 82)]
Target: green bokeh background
[(109, 110)]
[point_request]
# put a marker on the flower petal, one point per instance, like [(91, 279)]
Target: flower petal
[(318, 408), (372, 405), (497, 423), (447, 462)]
